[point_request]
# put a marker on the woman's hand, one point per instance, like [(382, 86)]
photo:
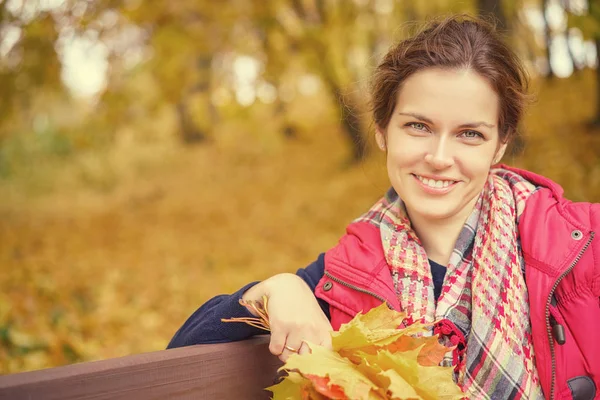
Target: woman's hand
[(294, 315)]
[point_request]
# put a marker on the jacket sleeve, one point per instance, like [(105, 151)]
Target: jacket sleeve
[(204, 326)]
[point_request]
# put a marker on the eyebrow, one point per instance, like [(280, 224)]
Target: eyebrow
[(467, 125)]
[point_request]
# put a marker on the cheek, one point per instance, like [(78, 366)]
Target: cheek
[(404, 153), (475, 165)]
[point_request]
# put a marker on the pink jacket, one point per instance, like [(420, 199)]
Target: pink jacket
[(562, 274)]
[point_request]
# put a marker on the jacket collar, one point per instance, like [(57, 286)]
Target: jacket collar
[(552, 229), (538, 180)]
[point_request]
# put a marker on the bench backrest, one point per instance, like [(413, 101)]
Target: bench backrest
[(239, 370)]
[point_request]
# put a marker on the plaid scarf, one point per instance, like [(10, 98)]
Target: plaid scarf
[(484, 294)]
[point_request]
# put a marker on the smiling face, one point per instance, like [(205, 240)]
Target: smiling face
[(441, 141)]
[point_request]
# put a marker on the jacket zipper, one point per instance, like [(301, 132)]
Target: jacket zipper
[(341, 282), (548, 327)]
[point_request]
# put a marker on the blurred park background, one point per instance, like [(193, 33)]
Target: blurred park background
[(155, 154)]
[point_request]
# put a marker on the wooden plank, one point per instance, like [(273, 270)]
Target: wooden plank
[(239, 370)]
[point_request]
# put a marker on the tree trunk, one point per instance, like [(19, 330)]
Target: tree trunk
[(494, 8), (548, 37), (288, 129), (349, 111), (596, 121), (351, 125), (190, 134), (198, 130)]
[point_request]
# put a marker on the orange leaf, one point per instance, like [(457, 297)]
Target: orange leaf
[(324, 386), (432, 351)]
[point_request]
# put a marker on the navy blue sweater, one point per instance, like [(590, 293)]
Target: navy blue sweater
[(204, 326)]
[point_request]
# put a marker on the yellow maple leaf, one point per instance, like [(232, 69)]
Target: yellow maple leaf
[(428, 382), (290, 387), (381, 317), (379, 329), (388, 382), (340, 371)]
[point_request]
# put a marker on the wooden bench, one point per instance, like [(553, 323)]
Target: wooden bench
[(239, 370)]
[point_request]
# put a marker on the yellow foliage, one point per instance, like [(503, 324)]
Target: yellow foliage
[(88, 275), (362, 366)]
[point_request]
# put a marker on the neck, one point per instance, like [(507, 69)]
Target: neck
[(438, 236)]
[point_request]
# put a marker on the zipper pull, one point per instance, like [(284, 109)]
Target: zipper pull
[(558, 331)]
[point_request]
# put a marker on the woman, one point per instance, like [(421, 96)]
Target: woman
[(507, 266)]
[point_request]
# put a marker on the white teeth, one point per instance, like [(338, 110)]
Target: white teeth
[(435, 184)]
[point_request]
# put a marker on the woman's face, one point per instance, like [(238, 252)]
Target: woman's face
[(441, 141)]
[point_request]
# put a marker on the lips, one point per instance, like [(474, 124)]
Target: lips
[(435, 183), (436, 187)]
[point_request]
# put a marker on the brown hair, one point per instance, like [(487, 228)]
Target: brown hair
[(455, 42)]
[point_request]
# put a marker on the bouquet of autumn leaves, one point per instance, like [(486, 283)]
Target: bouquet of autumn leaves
[(370, 359)]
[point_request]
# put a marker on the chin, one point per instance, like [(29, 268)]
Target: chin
[(437, 215), (431, 210)]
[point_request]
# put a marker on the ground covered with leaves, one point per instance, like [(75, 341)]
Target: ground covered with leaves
[(92, 274)]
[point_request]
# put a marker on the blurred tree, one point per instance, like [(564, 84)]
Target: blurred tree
[(577, 65), (587, 19), (274, 47), (184, 37), (29, 63), (190, 48), (548, 40), (314, 31)]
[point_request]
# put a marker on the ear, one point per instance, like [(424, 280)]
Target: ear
[(380, 139), (500, 153)]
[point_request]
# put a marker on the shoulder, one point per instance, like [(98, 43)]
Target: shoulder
[(360, 245), (549, 202), (545, 204), (552, 228)]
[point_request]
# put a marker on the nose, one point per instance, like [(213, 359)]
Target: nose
[(440, 155)]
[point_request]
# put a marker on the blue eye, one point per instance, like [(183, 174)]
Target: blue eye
[(417, 125), (472, 134)]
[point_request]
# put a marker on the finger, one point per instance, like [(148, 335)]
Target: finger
[(287, 352), (319, 336), (304, 349), (277, 342), (326, 341), (292, 345)]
